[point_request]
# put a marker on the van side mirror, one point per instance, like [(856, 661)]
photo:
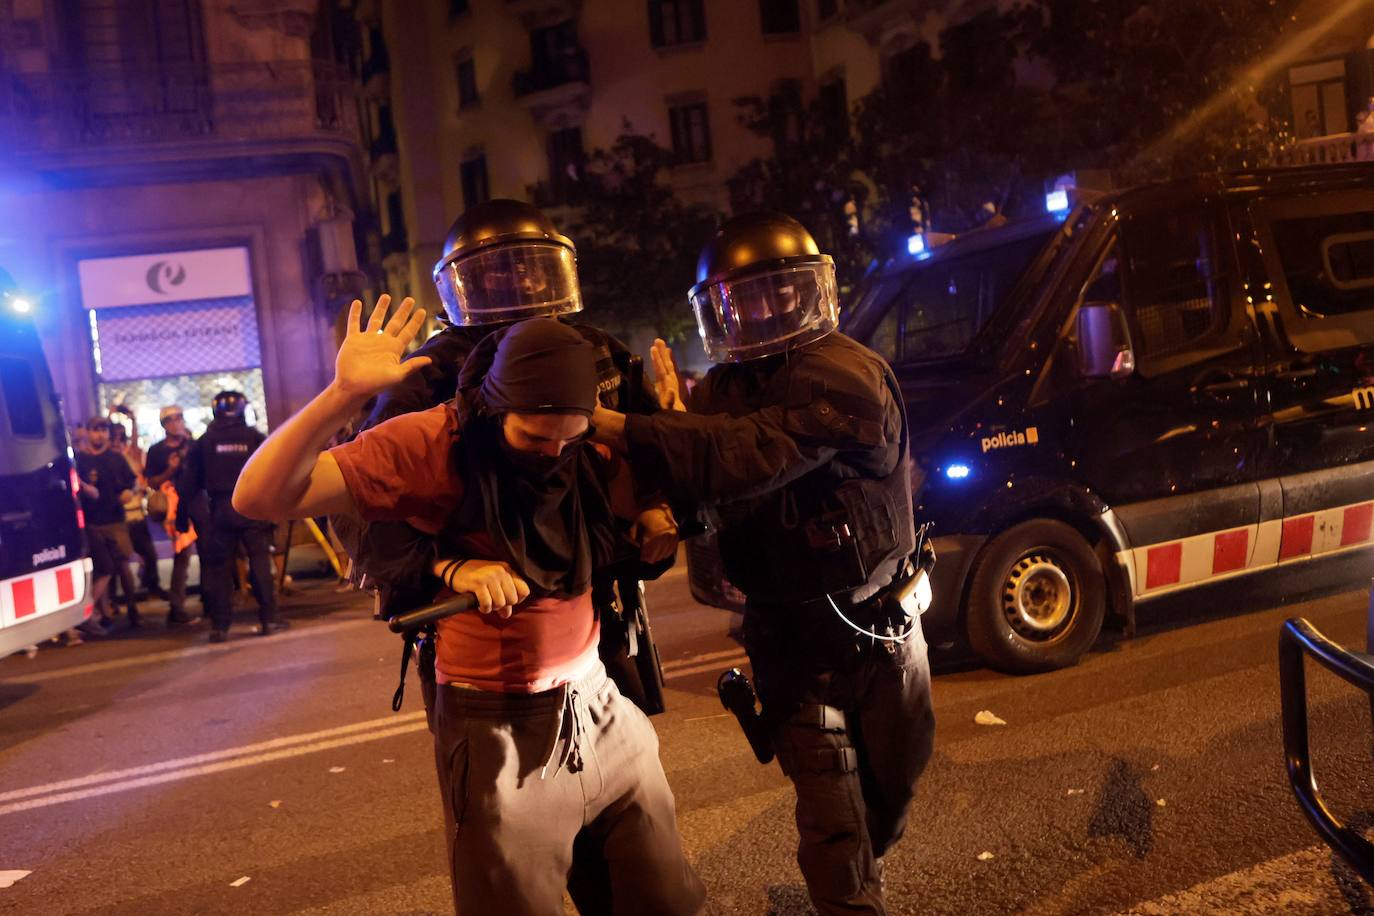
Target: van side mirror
[(1104, 346)]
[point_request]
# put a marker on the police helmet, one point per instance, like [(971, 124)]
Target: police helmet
[(504, 261), (763, 287), (229, 404)]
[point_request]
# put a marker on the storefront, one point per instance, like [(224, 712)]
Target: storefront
[(173, 328)]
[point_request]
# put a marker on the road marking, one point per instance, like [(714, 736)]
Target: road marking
[(1298, 882), (190, 652), (211, 756), (731, 660), (188, 772), (700, 659)]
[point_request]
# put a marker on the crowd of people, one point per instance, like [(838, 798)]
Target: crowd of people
[(177, 491)]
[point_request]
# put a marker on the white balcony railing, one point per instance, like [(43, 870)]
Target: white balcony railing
[(1331, 148)]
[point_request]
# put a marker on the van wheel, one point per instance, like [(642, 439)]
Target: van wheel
[(1037, 599)]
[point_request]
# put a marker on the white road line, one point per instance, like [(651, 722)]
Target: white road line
[(673, 663), (1299, 882), (190, 652), (242, 751), (732, 661), (188, 772)]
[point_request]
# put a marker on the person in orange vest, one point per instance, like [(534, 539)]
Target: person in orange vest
[(161, 469)]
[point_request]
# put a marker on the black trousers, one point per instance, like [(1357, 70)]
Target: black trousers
[(853, 731), (142, 540), (217, 543)]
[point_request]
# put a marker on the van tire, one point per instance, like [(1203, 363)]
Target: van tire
[(1037, 598)]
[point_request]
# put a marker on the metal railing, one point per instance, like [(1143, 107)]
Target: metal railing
[(1297, 639), (1334, 148), (62, 110)]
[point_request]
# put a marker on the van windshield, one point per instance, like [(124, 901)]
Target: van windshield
[(937, 309)]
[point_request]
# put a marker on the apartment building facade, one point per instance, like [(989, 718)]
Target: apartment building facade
[(508, 98), (180, 187)]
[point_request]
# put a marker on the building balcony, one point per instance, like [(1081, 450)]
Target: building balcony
[(182, 119), (538, 14), (1331, 148), (558, 94)]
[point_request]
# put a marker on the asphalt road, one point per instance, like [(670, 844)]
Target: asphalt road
[(153, 773)]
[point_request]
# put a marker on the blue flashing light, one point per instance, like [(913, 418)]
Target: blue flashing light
[(1057, 201), (957, 471), (916, 244), (21, 305)]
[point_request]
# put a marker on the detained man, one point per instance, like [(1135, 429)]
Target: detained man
[(536, 748)]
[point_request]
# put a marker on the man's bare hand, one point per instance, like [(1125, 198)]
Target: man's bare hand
[(494, 582), (655, 531), (665, 377), (369, 362)]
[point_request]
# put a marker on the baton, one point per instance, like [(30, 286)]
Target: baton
[(413, 620)]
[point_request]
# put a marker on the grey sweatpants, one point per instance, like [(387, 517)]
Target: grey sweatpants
[(526, 777)]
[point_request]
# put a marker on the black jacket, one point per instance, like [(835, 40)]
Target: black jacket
[(792, 451), (213, 462)]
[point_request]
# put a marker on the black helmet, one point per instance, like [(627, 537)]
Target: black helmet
[(504, 261), (229, 404), (762, 287)]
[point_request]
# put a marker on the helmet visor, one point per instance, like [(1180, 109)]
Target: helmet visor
[(767, 313), (509, 283)]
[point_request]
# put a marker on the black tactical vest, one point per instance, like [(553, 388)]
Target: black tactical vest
[(841, 530)]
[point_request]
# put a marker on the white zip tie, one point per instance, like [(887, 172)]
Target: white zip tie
[(869, 633)]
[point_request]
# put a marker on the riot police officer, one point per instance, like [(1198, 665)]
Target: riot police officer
[(797, 440), (210, 470), (505, 261)]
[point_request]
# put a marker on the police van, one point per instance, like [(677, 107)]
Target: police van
[(45, 576), (1162, 388)]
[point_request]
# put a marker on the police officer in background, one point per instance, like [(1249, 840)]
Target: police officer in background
[(211, 468), (797, 439), (505, 261)]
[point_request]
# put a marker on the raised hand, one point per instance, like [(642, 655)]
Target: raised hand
[(665, 377), (369, 362)]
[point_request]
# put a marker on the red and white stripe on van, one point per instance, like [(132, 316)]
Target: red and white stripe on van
[(26, 598), (1171, 565)]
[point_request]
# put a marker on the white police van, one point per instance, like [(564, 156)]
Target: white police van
[(45, 576)]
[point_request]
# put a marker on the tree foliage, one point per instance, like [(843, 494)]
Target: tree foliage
[(1008, 99), (637, 240)]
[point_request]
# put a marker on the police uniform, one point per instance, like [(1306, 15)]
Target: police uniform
[(798, 442), (211, 469)]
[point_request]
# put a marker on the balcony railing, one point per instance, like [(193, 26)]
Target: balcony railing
[(570, 68), (1331, 148), (59, 112)]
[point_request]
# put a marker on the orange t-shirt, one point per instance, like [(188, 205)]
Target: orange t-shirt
[(400, 471)]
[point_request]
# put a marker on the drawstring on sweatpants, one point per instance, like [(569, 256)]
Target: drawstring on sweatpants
[(574, 714)]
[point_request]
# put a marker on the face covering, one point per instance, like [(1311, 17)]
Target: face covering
[(536, 466), (549, 517)]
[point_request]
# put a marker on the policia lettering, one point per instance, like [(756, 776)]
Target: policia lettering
[(797, 441), (504, 261)]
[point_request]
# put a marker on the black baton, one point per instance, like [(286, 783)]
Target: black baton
[(413, 620)]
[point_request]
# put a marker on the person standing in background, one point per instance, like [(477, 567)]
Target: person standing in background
[(212, 467), (126, 444), (106, 479), (161, 470)]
